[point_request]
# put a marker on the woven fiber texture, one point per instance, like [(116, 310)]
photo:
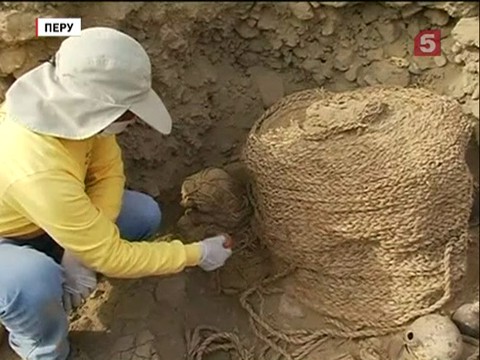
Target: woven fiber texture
[(368, 194)]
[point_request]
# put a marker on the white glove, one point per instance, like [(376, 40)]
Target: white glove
[(214, 253), (80, 282)]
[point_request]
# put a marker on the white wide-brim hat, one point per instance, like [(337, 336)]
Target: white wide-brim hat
[(94, 79)]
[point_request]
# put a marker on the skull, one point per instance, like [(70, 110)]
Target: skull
[(431, 337)]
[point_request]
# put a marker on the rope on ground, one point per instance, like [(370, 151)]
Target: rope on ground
[(204, 340)]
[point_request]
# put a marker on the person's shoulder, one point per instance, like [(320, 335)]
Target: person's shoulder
[(25, 152)]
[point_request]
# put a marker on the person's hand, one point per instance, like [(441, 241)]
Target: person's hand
[(215, 251), (80, 282)]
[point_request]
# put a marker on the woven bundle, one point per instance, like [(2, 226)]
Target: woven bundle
[(368, 194)]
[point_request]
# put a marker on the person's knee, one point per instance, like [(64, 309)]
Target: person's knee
[(140, 217), (151, 215), (37, 285), (31, 301)]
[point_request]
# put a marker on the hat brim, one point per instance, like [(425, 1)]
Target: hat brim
[(152, 111)]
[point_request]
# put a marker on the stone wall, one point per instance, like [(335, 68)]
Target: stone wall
[(219, 65)]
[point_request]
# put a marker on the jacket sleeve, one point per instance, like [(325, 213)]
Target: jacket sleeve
[(105, 179), (56, 202)]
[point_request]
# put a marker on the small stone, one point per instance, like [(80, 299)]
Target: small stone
[(437, 17), (389, 31), (410, 10), (397, 49), (315, 4), (458, 59), (352, 73), (414, 69), (456, 47), (16, 26), (288, 307), (466, 317), (475, 93), (343, 59), (301, 10), (370, 12), (471, 107), (315, 50), (311, 65), (246, 31), (440, 61), (400, 62), (338, 4), (301, 53), (268, 20), (466, 32), (425, 62), (251, 22), (375, 55), (12, 59), (328, 27)]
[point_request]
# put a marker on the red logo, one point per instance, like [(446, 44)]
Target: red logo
[(427, 43)]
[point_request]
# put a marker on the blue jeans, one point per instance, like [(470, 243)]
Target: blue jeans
[(31, 284)]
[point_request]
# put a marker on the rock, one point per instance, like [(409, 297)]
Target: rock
[(389, 31), (410, 10), (311, 65), (398, 48), (440, 61), (433, 337), (456, 47), (11, 59), (466, 316), (466, 32), (301, 10), (315, 50), (370, 12), (343, 59), (246, 32), (268, 20), (288, 307), (17, 26), (269, 84), (400, 62), (471, 107), (352, 73), (425, 62), (414, 69), (437, 17), (329, 22), (375, 55), (475, 93), (339, 4)]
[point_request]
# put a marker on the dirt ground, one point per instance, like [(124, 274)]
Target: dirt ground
[(218, 67), (148, 319)]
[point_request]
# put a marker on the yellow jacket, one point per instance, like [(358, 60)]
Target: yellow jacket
[(72, 190)]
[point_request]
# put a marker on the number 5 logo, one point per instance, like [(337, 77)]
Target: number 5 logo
[(427, 43)]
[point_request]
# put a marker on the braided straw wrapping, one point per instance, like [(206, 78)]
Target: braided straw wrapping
[(368, 194)]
